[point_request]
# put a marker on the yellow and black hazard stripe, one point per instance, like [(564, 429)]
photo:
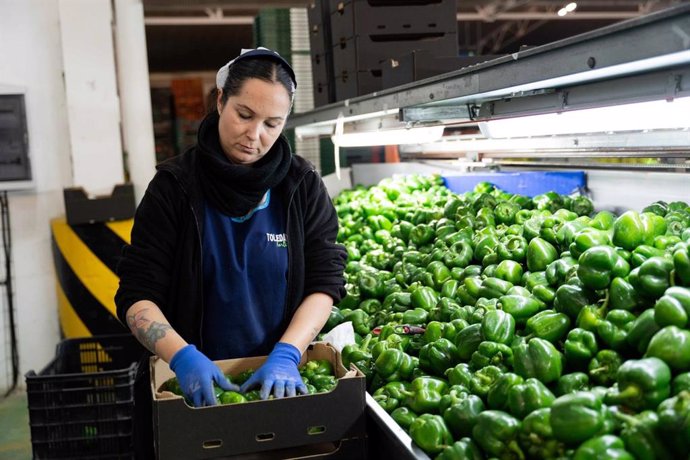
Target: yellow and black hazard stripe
[(85, 258)]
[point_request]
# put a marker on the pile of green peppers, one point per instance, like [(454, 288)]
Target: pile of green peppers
[(318, 375), (549, 330)]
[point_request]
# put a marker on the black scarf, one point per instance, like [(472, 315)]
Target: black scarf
[(237, 189)]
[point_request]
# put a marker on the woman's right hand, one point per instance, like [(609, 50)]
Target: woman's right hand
[(196, 374)]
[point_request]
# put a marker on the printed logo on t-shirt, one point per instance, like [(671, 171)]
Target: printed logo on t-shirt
[(279, 239)]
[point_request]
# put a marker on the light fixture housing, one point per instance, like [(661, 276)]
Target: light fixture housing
[(639, 116), (401, 136)]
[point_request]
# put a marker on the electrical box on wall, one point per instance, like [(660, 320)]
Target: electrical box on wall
[(15, 168)]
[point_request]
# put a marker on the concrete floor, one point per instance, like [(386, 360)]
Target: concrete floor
[(15, 435)]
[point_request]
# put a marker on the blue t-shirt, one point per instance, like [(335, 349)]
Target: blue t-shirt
[(245, 263)]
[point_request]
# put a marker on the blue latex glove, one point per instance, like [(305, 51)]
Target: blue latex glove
[(196, 374), (279, 373)]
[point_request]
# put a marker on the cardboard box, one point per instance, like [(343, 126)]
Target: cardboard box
[(303, 421)]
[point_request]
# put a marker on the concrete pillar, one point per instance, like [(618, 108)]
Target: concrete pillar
[(135, 93), (93, 108)]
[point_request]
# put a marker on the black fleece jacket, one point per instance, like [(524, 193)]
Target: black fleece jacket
[(163, 262)]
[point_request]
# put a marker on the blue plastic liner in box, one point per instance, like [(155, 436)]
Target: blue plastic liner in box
[(528, 183)]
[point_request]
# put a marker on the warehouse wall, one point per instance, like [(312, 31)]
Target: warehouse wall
[(31, 57), (66, 67)]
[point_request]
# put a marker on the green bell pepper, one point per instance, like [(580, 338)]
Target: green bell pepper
[(357, 353), (391, 395), (497, 398), (577, 417), (424, 297), (505, 212), (533, 279), (666, 241), (641, 384), (461, 417), (483, 379), (394, 364), (527, 397), (557, 271), (536, 436), (498, 326), (599, 265), (674, 424), (493, 288), (492, 354), (231, 397), (455, 394), (642, 331), (570, 383), (519, 307), (653, 277), (459, 255), (416, 316), (403, 416), (464, 449), (546, 294), (438, 356), (681, 264), (582, 206), (603, 220), (606, 446), (672, 345), (430, 433), (644, 252), (571, 299), (439, 273), (424, 394), (548, 325), (421, 235), (540, 253), (513, 247), (467, 341), (613, 331), (580, 347), (537, 358), (397, 301), (460, 375), (641, 437), (485, 249), (673, 308), (629, 231), (496, 433), (588, 238), (681, 382), (510, 271), (334, 318), (604, 366), (360, 321), (623, 296)]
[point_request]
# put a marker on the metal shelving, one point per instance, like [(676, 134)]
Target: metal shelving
[(639, 59)]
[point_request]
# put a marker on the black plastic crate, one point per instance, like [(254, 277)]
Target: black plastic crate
[(81, 404)]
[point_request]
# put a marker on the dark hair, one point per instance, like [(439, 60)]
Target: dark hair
[(263, 68)]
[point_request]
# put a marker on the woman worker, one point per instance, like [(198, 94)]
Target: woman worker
[(233, 249)]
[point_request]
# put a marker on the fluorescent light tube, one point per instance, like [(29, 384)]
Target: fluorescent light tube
[(417, 135), (638, 116)]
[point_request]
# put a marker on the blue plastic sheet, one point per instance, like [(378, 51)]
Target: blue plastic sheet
[(528, 183)]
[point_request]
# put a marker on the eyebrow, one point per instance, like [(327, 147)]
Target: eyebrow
[(252, 111)]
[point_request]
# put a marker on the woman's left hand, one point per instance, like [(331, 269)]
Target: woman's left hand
[(279, 373)]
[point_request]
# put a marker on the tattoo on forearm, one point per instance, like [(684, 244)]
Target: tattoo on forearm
[(314, 332), (148, 332)]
